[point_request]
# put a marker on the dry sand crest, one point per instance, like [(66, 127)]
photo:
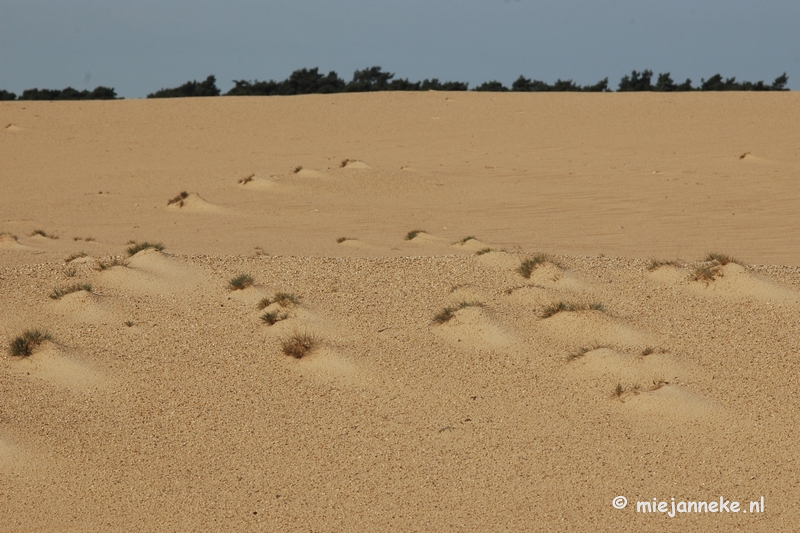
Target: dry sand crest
[(165, 401)]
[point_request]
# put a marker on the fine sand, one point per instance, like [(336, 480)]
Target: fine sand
[(439, 395)]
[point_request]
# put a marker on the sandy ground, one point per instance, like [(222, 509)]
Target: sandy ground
[(165, 402)]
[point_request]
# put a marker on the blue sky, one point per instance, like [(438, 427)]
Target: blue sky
[(140, 46)]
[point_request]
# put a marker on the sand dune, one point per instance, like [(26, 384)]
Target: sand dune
[(436, 396)]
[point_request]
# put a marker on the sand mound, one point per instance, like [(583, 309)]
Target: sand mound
[(257, 183), (325, 364), (13, 128), (356, 165), (84, 306), (150, 271), (587, 328), (8, 242), (500, 260), (472, 328), (612, 367), (667, 405), (310, 173), (357, 243), (736, 281), (194, 203), (470, 245), (53, 364)]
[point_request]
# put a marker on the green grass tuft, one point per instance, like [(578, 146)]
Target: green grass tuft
[(273, 317), (137, 247), (24, 345), (527, 267), (240, 282), (60, 292)]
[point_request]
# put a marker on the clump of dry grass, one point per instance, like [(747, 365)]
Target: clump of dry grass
[(5, 233), (25, 344), (240, 282), (137, 247), (179, 199), (116, 261), (583, 350), (284, 299), (73, 257), (721, 259), (344, 163), (483, 251), (411, 235), (247, 179), (87, 239), (299, 344), (43, 234), (465, 239), (562, 306), (273, 317), (297, 169), (712, 269), (655, 264), (449, 312), (527, 267), (58, 293)]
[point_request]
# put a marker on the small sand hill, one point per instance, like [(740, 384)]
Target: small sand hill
[(8, 242), (425, 238), (84, 306), (327, 364), (609, 367), (13, 128), (150, 271), (257, 183), (194, 203), (667, 406), (470, 245), (735, 281), (57, 365), (586, 328), (355, 165), (310, 173), (471, 327), (499, 260)]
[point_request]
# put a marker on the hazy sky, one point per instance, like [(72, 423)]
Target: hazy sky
[(139, 46)]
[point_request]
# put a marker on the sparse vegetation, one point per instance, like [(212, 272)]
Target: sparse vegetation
[(70, 272), (465, 239), (705, 273), (619, 390), (24, 345), (87, 239), (247, 179), (43, 234), (273, 317), (647, 351), (116, 261), (562, 306), (721, 259), (655, 264), (297, 169), (129, 323), (527, 267), (298, 344), (179, 199), (580, 352), (344, 163), (75, 256), (58, 293), (411, 235), (657, 384), (449, 312), (240, 282), (137, 247), (5, 233), (483, 251), (284, 299), (340, 240)]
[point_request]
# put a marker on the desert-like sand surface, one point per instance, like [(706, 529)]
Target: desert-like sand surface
[(164, 400)]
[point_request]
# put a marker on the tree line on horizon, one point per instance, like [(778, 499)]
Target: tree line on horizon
[(311, 81)]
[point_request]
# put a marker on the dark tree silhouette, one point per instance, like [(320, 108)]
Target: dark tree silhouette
[(190, 88), (491, 86), (636, 81), (6, 96)]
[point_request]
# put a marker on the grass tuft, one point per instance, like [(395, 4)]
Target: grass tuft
[(583, 350), (340, 240), (24, 345), (105, 265), (43, 234), (705, 273), (129, 323), (411, 235), (137, 247), (527, 267), (721, 259), (297, 169), (284, 299), (298, 344), (562, 306), (58, 293), (240, 282), (449, 312), (273, 317), (75, 256), (465, 239), (179, 199), (619, 390), (483, 251), (648, 350), (247, 179), (655, 264), (344, 163)]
